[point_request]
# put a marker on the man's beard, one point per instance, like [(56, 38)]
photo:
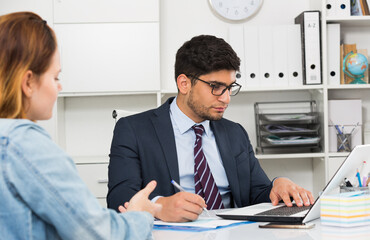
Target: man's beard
[(201, 110)]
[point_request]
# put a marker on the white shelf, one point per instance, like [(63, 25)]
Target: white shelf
[(244, 89), (351, 21), (338, 154), (280, 88), (90, 159), (290, 156), (350, 86), (93, 94)]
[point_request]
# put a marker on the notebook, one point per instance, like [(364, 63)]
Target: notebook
[(259, 212)]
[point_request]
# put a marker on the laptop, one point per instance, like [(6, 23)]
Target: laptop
[(266, 212)]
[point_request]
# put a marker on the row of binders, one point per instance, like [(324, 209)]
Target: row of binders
[(282, 55), (346, 8)]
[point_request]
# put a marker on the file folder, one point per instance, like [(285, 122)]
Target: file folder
[(338, 8), (333, 43), (236, 40), (330, 8), (311, 46), (294, 56), (266, 56), (251, 55), (342, 8), (280, 55)]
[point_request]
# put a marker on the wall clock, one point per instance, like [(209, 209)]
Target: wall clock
[(235, 10)]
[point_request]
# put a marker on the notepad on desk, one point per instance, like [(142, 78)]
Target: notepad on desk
[(202, 224), (347, 209)]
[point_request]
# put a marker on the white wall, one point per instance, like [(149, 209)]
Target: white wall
[(180, 20)]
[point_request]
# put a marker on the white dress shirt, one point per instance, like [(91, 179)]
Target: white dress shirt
[(185, 139)]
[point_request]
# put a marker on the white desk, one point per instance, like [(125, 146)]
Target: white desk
[(252, 231)]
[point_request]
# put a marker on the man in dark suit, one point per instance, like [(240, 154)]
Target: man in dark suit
[(163, 144)]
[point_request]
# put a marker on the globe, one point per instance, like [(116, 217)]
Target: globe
[(354, 66)]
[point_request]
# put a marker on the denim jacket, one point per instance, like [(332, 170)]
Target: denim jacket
[(43, 197)]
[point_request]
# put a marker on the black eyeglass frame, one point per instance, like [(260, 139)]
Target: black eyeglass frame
[(213, 85)]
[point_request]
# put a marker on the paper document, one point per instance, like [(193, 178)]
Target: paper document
[(202, 224)]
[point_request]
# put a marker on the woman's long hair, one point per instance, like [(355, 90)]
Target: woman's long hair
[(26, 43)]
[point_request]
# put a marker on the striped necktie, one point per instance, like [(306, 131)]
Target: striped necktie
[(205, 185)]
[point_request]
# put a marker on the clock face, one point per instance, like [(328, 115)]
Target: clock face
[(235, 10)]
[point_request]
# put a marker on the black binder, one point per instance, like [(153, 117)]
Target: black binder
[(311, 46)]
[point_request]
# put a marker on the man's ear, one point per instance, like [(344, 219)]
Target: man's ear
[(183, 84), (28, 83)]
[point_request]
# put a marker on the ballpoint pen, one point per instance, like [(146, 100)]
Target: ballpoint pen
[(344, 139), (341, 137), (182, 190)]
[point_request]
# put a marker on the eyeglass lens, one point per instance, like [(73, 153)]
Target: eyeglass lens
[(219, 90)]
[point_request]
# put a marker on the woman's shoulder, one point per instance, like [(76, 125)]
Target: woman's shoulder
[(21, 130), (9, 127)]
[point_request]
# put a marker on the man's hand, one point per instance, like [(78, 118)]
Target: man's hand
[(140, 201), (284, 188), (180, 207)]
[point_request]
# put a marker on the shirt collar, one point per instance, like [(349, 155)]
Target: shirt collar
[(183, 122)]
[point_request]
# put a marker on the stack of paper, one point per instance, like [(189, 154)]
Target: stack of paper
[(202, 224), (346, 209)]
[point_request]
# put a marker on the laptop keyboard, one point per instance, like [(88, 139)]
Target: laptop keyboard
[(284, 210)]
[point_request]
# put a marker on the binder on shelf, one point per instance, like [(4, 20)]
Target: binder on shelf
[(341, 64), (311, 46), (333, 43), (280, 55), (364, 7), (251, 55), (330, 8), (294, 56), (236, 40), (338, 8), (356, 8), (342, 8), (266, 56)]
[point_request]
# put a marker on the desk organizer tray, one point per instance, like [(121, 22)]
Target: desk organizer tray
[(291, 117), (301, 129), (287, 127), (291, 140)]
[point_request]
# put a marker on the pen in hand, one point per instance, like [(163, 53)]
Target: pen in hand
[(182, 190)]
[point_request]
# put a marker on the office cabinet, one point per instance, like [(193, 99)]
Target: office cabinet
[(110, 60), (96, 178), (109, 57), (107, 11), (43, 8)]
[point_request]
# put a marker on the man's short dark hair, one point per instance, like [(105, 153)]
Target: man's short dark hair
[(205, 54)]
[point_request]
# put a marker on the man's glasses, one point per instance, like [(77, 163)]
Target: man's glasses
[(218, 88)]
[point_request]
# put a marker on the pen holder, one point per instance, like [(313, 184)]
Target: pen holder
[(354, 189), (343, 142)]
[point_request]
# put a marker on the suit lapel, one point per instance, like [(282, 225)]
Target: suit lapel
[(228, 160), (162, 124)]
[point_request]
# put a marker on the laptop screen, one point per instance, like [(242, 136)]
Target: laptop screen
[(347, 170)]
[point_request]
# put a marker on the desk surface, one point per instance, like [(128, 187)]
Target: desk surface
[(252, 231)]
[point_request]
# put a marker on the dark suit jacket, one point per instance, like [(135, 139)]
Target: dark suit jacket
[(143, 149)]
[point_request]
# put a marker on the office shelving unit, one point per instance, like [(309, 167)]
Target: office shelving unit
[(83, 125)]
